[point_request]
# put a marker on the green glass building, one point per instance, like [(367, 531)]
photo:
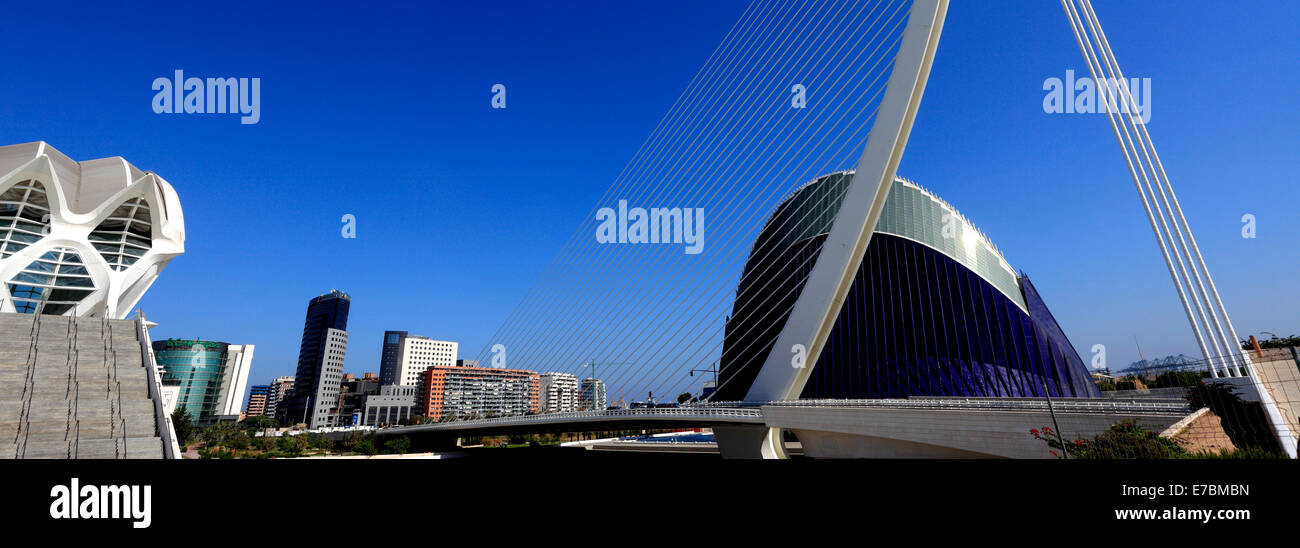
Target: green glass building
[(210, 376)]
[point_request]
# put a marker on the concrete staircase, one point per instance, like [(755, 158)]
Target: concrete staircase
[(74, 388)]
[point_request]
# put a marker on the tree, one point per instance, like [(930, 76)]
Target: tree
[(240, 441), (1176, 379), (293, 445), (1273, 342), (366, 447), (184, 425), (398, 445), (220, 433), (322, 442), (684, 397), (1220, 397), (259, 422), (351, 440)]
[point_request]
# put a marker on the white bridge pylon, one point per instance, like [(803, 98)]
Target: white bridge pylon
[(1214, 333), (822, 297)]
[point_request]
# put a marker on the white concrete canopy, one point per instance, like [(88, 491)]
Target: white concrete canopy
[(81, 238)]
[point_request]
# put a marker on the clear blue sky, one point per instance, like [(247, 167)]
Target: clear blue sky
[(382, 111)]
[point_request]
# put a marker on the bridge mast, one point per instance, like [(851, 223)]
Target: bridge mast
[(827, 285), (1214, 333)]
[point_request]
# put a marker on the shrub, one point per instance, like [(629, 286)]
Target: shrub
[(183, 422), (366, 447), (293, 445), (259, 422), (1220, 397), (239, 441), (399, 445), (321, 441), (1124, 440), (1127, 440), (1177, 379)]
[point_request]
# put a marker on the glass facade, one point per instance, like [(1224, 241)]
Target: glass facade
[(24, 216), (125, 235), (320, 359), (52, 284), (390, 357), (918, 323), (199, 369), (934, 309)]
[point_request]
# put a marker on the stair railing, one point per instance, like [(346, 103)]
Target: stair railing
[(29, 388)]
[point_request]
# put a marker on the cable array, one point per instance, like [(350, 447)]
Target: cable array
[(789, 95), (1201, 302)]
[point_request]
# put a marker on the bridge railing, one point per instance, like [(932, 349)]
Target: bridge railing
[(753, 409), (1078, 405), (574, 416)]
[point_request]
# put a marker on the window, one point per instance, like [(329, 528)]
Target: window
[(52, 284), (24, 216), (125, 236)]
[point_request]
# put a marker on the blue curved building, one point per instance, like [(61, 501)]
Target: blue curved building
[(934, 310)]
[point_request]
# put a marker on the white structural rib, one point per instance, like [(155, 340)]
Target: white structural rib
[(823, 294), (1146, 168)]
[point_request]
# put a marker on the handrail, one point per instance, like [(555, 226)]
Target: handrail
[(750, 413), (74, 443), (121, 417), (110, 373), (1078, 404), (121, 453), (29, 389), (74, 386), (171, 450), (753, 409)]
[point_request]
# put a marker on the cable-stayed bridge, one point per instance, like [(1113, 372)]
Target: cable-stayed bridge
[(736, 240)]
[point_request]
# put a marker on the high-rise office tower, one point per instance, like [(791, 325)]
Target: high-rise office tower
[(558, 392), (591, 397), (280, 388), (316, 386), (405, 357), (390, 357), (257, 395)]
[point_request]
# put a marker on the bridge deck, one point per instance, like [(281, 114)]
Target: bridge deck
[(752, 413)]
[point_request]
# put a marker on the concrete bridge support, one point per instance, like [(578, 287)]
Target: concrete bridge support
[(883, 432)]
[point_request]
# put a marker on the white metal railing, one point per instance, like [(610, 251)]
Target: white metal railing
[(751, 411), (749, 414), (171, 449), (1067, 405)]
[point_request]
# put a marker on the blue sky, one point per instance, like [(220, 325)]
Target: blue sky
[(383, 112)]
